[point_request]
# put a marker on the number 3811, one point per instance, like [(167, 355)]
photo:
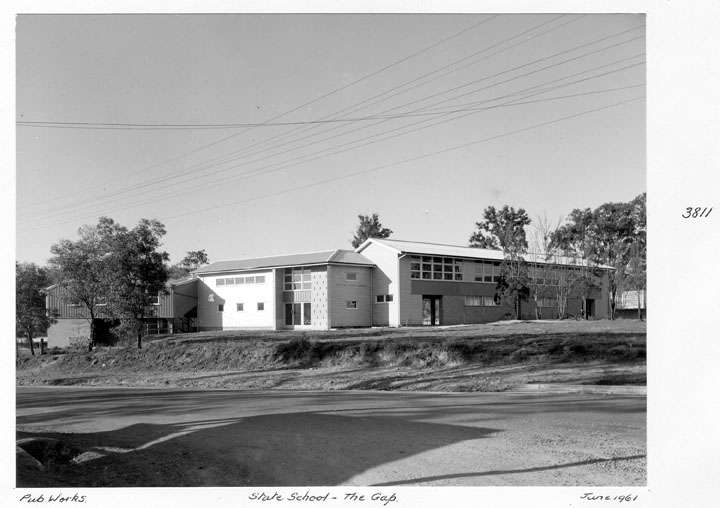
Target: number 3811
[(696, 213)]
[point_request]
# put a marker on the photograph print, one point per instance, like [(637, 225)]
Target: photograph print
[(297, 252)]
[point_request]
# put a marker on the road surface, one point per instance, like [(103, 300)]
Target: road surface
[(150, 437)]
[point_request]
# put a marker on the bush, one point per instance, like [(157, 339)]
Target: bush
[(293, 350)]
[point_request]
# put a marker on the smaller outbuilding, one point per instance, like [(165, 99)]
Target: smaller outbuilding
[(175, 311)]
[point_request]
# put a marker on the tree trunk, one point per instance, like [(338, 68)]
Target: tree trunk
[(32, 348), (93, 330), (139, 337)]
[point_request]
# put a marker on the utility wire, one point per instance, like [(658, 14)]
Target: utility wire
[(333, 92), (146, 126), (163, 181), (335, 148), (229, 157), (491, 107), (405, 161)]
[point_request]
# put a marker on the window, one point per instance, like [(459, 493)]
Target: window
[(260, 279), (249, 280), (230, 281), (240, 307), (239, 281), (101, 301), (261, 306), (297, 279), (487, 271), (351, 304), (547, 302), (379, 298), (351, 276), (435, 268), (221, 307), (480, 301), (388, 298), (472, 301), (155, 300), (220, 282)]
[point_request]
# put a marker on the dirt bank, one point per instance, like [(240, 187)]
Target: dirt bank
[(493, 357)]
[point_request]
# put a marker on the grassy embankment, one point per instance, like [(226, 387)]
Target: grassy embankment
[(492, 357)]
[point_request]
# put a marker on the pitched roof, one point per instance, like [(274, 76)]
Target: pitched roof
[(339, 256), (436, 249)]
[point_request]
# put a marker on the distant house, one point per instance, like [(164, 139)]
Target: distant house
[(382, 283), (174, 312), (627, 302)]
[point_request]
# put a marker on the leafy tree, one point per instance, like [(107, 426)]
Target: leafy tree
[(505, 229), (31, 317), (571, 244), (191, 262), (502, 229), (119, 267), (137, 274), (603, 236), (81, 267), (544, 276), (369, 227), (514, 283), (634, 275), (611, 242)]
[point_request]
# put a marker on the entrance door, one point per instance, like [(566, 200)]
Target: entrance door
[(297, 314), (431, 310)]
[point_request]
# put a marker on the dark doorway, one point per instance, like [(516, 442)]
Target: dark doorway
[(590, 308), (431, 310)]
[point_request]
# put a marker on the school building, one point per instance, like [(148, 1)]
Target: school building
[(382, 283)]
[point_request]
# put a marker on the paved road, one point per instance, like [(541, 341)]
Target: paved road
[(148, 437)]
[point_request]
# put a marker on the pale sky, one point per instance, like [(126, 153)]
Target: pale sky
[(442, 115)]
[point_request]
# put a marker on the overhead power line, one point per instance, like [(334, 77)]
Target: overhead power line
[(384, 166), (341, 148), (383, 116), (276, 117), (162, 180), (405, 161)]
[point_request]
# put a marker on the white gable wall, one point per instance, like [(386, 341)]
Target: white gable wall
[(211, 296), (384, 282)]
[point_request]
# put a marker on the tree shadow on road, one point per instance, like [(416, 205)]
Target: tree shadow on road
[(414, 481)]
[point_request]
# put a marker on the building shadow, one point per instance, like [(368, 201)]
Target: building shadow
[(290, 449)]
